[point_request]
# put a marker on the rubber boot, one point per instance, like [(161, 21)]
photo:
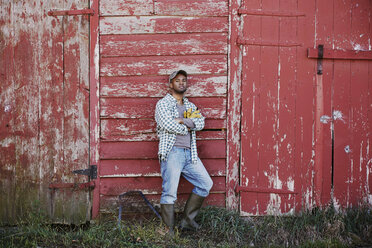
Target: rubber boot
[(167, 215), (192, 207)]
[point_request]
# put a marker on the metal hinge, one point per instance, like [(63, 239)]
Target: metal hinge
[(71, 12), (91, 172)]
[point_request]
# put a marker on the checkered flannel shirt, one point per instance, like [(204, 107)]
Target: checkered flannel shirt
[(167, 128)]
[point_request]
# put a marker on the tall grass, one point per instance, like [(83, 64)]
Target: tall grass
[(220, 228)]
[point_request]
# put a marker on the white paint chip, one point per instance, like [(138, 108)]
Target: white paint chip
[(347, 149), (337, 115), (325, 119), (7, 108)]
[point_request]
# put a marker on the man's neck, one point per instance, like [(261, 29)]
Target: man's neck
[(178, 97)]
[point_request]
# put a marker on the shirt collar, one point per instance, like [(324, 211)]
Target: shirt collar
[(173, 100)]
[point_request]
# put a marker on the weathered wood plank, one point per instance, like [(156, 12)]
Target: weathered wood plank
[(163, 65), (8, 128), (161, 24), (323, 108), (150, 185), (251, 111), (76, 96), (157, 86), (152, 136), (111, 128), (286, 113), (149, 149), (73, 206), (127, 7), (191, 7), (151, 167), (234, 108), (304, 104), (214, 108), (163, 44)]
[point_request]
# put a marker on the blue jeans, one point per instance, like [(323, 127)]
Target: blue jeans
[(177, 163)]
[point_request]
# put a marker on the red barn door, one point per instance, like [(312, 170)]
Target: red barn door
[(304, 134), (44, 109), (272, 130), (344, 118)]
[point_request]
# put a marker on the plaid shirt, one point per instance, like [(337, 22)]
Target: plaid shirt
[(167, 128)]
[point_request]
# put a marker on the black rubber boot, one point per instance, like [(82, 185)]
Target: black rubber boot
[(192, 207), (167, 215)]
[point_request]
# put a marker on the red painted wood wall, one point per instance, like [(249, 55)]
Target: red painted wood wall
[(279, 138), (140, 45), (304, 137)]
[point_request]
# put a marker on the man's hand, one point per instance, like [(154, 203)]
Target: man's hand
[(190, 114)]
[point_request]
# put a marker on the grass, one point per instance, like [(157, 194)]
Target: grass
[(220, 228)]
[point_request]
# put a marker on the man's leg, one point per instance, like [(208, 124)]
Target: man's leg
[(170, 173), (199, 177)]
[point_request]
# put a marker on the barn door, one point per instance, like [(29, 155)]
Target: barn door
[(70, 182), (305, 104), (343, 96), (44, 108), (276, 108)]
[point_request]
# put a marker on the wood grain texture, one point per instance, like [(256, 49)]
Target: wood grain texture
[(163, 44), (163, 65), (151, 167), (214, 108), (191, 7), (157, 86), (305, 82), (149, 150), (162, 25), (122, 127), (323, 138), (127, 7)]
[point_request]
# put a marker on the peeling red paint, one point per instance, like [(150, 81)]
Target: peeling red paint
[(272, 122)]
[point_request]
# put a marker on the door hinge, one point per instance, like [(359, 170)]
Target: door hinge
[(71, 12), (91, 172)]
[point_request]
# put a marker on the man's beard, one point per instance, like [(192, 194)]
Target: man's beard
[(180, 91)]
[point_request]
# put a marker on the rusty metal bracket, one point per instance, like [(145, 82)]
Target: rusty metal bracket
[(243, 11), (71, 12), (342, 54), (91, 172), (246, 42), (319, 69)]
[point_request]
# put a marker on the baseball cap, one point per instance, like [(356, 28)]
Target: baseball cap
[(175, 73)]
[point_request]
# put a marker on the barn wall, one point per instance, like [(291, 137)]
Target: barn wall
[(43, 107), (141, 43)]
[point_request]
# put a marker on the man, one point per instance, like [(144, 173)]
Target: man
[(177, 120)]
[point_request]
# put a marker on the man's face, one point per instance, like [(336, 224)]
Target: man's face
[(179, 84)]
